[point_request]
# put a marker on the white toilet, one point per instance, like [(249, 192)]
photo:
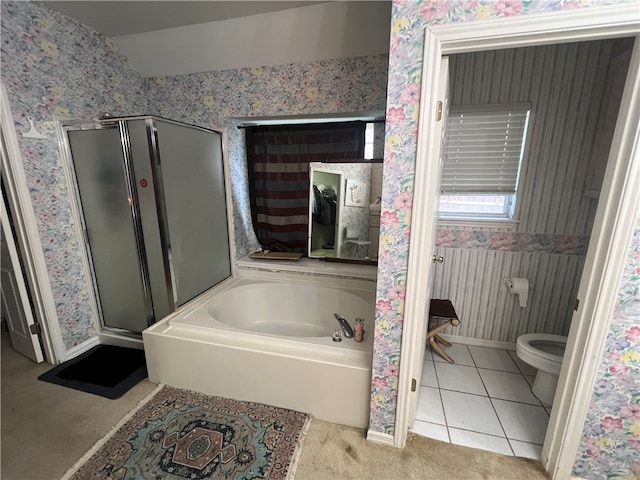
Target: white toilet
[(544, 352)]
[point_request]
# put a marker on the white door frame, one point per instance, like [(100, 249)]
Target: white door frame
[(616, 210), (26, 231), (431, 172)]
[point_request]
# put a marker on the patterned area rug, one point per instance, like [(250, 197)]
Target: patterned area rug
[(180, 434)]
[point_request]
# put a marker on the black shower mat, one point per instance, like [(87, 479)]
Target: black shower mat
[(105, 370)]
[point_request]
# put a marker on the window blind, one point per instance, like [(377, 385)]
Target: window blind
[(483, 149)]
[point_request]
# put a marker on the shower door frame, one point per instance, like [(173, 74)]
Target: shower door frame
[(161, 209), (81, 227), (62, 127), (161, 205)]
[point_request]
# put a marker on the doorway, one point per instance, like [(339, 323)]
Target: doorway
[(552, 206), (25, 231), (614, 217)]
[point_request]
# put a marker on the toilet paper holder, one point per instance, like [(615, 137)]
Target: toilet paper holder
[(518, 286)]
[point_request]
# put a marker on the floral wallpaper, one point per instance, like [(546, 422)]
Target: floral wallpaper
[(409, 18), (512, 241), (610, 445), (53, 65)]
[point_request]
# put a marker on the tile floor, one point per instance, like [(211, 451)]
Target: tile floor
[(484, 401)]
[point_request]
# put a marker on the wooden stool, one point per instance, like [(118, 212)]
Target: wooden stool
[(441, 311)]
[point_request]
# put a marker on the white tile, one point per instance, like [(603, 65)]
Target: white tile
[(429, 407), (530, 379), (507, 386), (527, 423), (459, 378), (525, 368), (493, 359), (427, 353), (470, 412), (527, 450), (431, 430), (480, 440), (458, 352), (428, 378)]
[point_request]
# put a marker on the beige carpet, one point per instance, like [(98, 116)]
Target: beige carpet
[(46, 428), (336, 452)]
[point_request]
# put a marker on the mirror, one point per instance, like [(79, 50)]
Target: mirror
[(344, 210)]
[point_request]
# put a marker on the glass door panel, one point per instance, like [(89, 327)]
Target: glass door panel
[(99, 167), (192, 173)]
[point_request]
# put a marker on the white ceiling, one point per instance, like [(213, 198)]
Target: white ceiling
[(175, 37), (114, 18)]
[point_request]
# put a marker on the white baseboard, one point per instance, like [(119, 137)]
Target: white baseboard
[(382, 438), (83, 347), (479, 342)]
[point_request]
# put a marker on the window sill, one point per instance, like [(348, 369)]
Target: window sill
[(489, 223)]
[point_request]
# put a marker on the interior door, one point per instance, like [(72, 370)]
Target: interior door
[(435, 170), (16, 307)]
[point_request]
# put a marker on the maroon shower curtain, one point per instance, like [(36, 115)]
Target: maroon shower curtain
[(278, 166)]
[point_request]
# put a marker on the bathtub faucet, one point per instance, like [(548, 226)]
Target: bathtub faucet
[(346, 328)]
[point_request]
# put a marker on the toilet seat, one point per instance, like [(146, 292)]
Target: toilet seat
[(543, 359)]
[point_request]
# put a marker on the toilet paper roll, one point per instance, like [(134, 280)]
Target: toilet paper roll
[(519, 286)]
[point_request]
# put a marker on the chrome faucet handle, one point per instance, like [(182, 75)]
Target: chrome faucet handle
[(346, 328)]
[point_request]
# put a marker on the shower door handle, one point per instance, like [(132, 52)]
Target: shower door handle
[(437, 259)]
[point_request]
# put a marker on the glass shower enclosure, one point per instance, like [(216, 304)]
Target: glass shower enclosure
[(152, 203)]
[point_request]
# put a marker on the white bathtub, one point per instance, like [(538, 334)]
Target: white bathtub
[(267, 338)]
